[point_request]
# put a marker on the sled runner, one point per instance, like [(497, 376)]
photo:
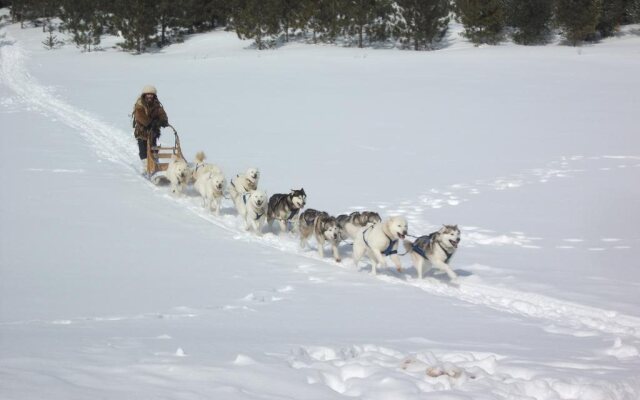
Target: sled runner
[(155, 154)]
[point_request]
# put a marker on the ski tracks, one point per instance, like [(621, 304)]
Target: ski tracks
[(117, 146)]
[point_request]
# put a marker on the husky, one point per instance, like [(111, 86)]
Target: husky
[(437, 248), (380, 240), (243, 183), (352, 223), (201, 168), (283, 207), (211, 187), (252, 207), (323, 226), (178, 173)]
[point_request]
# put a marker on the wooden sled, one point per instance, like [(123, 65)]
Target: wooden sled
[(156, 154)]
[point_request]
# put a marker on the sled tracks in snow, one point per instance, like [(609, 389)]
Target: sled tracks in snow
[(118, 147)]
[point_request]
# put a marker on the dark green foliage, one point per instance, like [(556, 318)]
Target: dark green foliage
[(530, 19), (84, 21), (632, 11), (323, 19), (612, 15), (256, 19), (578, 18), (137, 21), (51, 41), (422, 21), (366, 17), (483, 20)]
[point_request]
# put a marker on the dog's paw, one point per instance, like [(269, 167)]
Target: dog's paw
[(338, 260)]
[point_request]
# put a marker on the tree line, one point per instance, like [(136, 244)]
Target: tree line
[(413, 24)]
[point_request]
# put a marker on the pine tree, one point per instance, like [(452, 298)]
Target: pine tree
[(256, 19), (531, 20), (632, 11), (366, 17), (483, 20), (578, 18), (136, 20), (612, 15), (51, 41), (423, 21), (84, 21), (323, 18)]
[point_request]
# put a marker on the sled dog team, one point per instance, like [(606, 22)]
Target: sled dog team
[(370, 234)]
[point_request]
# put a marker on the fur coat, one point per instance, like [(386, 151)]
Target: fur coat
[(148, 117)]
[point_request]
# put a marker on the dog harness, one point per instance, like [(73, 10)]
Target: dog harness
[(389, 250), (427, 241), (244, 199)]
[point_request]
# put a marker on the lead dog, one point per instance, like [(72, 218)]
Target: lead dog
[(352, 223), (200, 167), (244, 183), (252, 207), (380, 240), (283, 207), (211, 187), (178, 174), (437, 248), (323, 226)]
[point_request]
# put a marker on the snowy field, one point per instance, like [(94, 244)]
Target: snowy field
[(112, 288)]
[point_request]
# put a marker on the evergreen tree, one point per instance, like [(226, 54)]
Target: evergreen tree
[(578, 18), (423, 21), (84, 21), (204, 15), (632, 11), (51, 41), (256, 19), (323, 19), (483, 20), (531, 20), (612, 15), (366, 17), (136, 20)]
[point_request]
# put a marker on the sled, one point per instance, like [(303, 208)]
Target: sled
[(156, 154)]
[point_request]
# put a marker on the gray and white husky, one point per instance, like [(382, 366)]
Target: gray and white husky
[(437, 248), (352, 223), (323, 226), (380, 240), (283, 207)]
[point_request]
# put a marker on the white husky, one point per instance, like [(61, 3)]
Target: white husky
[(200, 167), (380, 240), (211, 187), (178, 173), (435, 249), (244, 183), (252, 208)]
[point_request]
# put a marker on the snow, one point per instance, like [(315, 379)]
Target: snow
[(110, 287)]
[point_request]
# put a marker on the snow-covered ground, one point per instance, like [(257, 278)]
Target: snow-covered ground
[(112, 288)]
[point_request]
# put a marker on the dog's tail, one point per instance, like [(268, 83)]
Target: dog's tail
[(408, 245), (200, 157)]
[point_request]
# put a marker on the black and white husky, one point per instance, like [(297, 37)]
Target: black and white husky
[(283, 207), (436, 248), (352, 223), (323, 226)]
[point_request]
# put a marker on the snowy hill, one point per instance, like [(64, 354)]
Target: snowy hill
[(110, 287)]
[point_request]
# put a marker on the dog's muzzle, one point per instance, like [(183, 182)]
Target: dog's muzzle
[(402, 234), (454, 243)]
